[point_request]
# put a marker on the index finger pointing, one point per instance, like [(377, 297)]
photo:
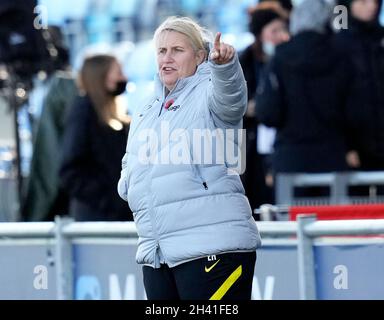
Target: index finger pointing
[(216, 43)]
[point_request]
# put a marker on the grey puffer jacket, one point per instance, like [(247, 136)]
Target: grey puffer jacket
[(184, 208)]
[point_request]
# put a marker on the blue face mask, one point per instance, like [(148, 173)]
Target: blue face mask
[(269, 48)]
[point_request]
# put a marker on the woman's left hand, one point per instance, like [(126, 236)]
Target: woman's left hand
[(222, 53)]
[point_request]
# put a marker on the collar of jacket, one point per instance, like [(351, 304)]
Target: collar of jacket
[(202, 71)]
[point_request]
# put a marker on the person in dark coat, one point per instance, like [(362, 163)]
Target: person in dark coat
[(305, 95), (94, 143), (363, 44), (268, 24), (44, 197)]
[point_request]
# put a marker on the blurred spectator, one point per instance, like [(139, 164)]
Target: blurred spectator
[(268, 24), (305, 95), (363, 43), (94, 143), (286, 4), (43, 196)]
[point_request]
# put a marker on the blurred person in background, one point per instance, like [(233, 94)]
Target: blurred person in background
[(306, 95), (269, 25), (286, 4), (94, 143), (197, 236), (363, 44), (44, 198)]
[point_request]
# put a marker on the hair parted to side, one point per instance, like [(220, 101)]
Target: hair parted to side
[(91, 81), (199, 36)]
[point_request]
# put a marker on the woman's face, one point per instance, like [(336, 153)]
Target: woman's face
[(364, 10), (275, 32), (114, 76), (176, 58)]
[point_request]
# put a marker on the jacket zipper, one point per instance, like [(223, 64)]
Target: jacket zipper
[(198, 173), (164, 97), (196, 169)]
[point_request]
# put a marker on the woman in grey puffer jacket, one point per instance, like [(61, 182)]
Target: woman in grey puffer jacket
[(197, 236)]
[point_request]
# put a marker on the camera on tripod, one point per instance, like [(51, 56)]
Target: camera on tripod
[(24, 49)]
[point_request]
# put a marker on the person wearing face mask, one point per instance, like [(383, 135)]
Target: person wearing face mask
[(268, 24), (363, 44), (197, 236), (94, 142)]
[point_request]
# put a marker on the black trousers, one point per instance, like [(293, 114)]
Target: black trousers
[(222, 277)]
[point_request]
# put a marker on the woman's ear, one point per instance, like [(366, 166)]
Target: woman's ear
[(200, 57)]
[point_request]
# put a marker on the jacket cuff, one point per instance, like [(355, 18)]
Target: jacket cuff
[(223, 68)]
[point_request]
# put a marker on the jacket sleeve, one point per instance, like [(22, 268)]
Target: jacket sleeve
[(122, 185), (228, 94), (269, 97), (79, 171)]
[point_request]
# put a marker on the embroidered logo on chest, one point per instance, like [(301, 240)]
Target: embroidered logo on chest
[(174, 108)]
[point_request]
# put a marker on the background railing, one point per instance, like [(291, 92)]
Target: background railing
[(338, 184), (64, 232)]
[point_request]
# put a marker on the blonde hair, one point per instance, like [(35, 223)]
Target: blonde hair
[(199, 37), (91, 81)]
